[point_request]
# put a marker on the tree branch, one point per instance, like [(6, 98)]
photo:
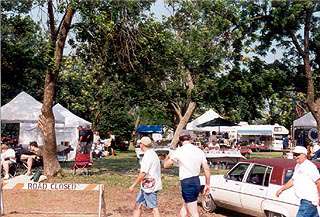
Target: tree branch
[(307, 21), (177, 109), (296, 43), (62, 35), (52, 26)]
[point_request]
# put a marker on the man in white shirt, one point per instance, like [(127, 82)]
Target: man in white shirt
[(190, 159), (149, 178), (306, 183), (8, 156)]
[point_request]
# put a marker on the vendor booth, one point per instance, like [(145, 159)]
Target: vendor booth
[(305, 128), (25, 111)]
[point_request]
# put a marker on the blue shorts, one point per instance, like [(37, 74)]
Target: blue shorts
[(149, 200), (190, 188)]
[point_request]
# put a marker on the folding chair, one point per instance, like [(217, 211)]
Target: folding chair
[(82, 161)]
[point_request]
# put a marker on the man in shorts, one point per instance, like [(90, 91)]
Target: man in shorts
[(306, 184), (190, 159), (149, 178)]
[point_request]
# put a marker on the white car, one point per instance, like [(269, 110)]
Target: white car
[(250, 187)]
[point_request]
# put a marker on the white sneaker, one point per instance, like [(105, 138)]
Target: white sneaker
[(6, 177)]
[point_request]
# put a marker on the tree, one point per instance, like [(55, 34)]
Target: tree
[(294, 26), (22, 52), (46, 122)]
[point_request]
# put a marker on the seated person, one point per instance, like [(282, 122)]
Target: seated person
[(108, 149), (33, 157), (8, 157)]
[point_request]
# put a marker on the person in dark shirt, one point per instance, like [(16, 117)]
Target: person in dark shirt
[(33, 157)]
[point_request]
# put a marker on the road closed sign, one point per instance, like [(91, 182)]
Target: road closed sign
[(51, 186)]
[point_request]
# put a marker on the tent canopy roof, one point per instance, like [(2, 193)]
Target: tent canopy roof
[(71, 120), (24, 109), (205, 117), (149, 129), (306, 120)]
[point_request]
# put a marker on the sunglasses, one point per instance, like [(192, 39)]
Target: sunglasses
[(296, 154)]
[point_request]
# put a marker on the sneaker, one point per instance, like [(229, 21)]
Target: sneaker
[(6, 177)]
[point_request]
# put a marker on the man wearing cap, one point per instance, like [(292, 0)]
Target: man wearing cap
[(149, 178), (189, 158), (306, 183)]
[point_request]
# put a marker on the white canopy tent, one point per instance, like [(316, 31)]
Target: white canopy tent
[(306, 121), (66, 133), (24, 109), (69, 131), (205, 117)]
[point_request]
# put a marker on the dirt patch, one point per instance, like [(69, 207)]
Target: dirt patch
[(119, 203)]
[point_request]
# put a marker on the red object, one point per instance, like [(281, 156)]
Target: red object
[(82, 161), (279, 165)]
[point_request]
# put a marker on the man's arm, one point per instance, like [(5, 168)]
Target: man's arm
[(206, 169), (137, 181), (168, 162), (318, 187), (284, 187)]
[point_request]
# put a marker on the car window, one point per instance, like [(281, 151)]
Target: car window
[(256, 175), (288, 175), (267, 177), (237, 173)]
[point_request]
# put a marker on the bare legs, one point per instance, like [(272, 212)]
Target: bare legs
[(189, 210), (5, 164), (29, 160), (138, 208)]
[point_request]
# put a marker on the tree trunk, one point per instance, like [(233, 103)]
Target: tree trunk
[(313, 104), (182, 123), (183, 119), (46, 120)]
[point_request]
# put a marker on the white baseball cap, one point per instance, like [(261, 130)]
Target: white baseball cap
[(300, 150), (146, 141)]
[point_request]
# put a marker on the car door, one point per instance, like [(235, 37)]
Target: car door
[(227, 192), (254, 189)]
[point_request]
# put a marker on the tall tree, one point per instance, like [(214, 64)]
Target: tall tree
[(46, 122), (294, 26)]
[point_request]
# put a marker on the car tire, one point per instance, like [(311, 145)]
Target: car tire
[(274, 214), (207, 203)]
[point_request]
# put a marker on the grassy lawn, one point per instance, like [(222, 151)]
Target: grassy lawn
[(119, 170), (122, 169), (268, 154)]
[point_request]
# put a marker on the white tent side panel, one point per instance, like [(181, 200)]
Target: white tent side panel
[(30, 132)]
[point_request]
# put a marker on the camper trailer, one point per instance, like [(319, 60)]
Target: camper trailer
[(270, 136)]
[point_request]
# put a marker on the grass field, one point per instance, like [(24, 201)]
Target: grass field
[(121, 170)]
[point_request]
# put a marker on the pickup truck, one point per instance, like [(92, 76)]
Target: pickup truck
[(250, 187)]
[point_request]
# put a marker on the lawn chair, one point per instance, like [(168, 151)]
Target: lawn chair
[(82, 161)]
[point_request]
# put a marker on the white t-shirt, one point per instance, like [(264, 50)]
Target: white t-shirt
[(304, 177), (189, 159), (9, 153), (150, 165)]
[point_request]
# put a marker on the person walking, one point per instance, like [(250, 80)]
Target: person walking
[(189, 158), (306, 183), (149, 179)]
